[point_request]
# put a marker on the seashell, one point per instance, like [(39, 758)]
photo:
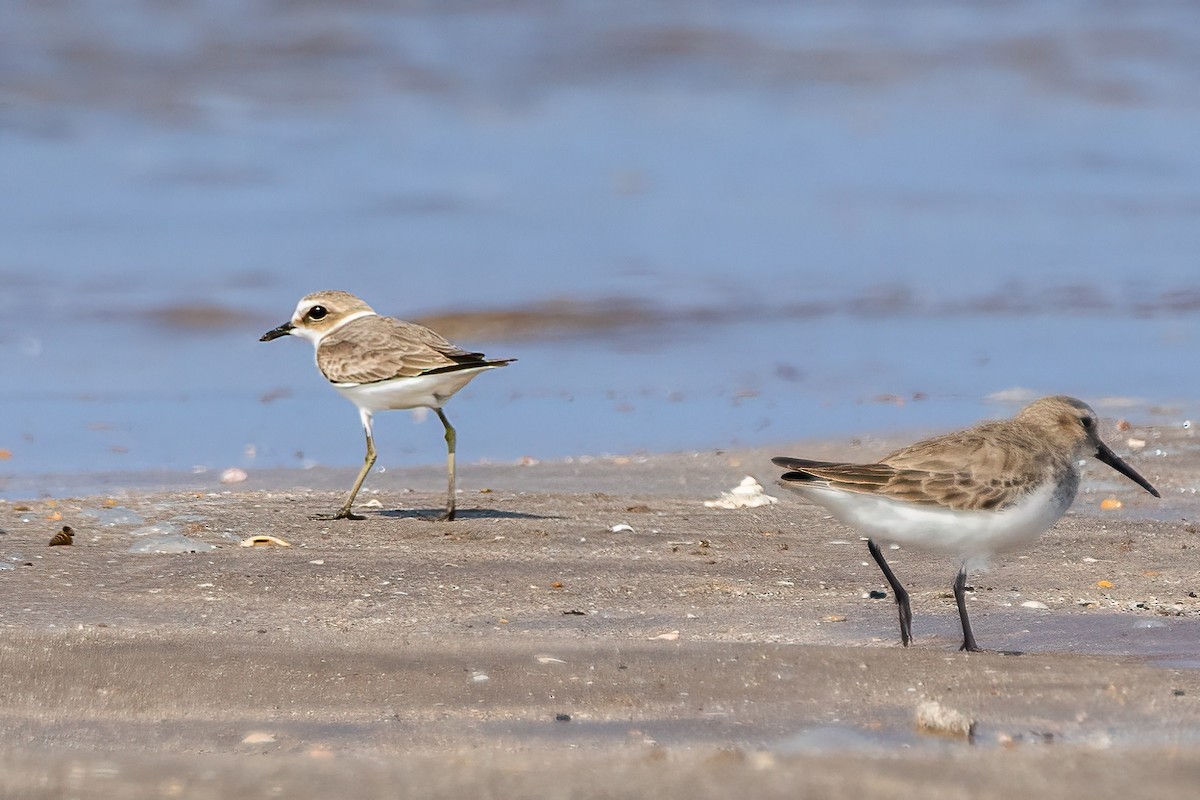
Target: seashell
[(747, 494), (933, 717), (63, 537), (264, 541), (234, 475)]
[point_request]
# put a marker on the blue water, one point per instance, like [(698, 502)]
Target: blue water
[(855, 199)]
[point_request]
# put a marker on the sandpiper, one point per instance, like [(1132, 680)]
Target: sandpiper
[(380, 363), (972, 493)]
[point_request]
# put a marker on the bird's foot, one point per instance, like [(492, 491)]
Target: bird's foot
[(965, 649), (344, 513)]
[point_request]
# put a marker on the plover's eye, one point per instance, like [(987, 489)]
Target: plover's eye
[(317, 312), (1087, 422)]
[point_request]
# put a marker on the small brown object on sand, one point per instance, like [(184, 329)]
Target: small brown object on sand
[(63, 537)]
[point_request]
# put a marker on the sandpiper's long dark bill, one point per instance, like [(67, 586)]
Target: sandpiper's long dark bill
[(973, 493), (380, 363)]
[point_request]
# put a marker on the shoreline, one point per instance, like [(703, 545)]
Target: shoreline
[(716, 464)]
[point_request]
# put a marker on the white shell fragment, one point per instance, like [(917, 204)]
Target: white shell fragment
[(622, 528), (747, 494), (234, 475), (933, 717), (1038, 604), (264, 541)]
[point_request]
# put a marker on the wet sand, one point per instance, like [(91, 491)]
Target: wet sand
[(528, 650)]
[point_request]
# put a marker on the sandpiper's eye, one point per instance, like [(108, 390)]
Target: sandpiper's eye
[(1087, 422), (317, 312)]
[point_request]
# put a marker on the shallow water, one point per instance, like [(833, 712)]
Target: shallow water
[(798, 221)]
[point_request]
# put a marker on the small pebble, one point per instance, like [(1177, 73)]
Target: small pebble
[(1034, 604), (562, 717), (258, 737)]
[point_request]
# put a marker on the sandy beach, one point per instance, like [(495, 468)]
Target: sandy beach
[(528, 649)]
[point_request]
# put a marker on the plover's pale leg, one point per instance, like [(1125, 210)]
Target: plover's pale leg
[(344, 512), (451, 440), (960, 585), (898, 591)]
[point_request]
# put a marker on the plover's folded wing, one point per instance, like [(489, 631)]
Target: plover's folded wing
[(377, 348)]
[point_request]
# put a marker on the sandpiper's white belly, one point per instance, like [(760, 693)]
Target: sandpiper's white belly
[(422, 391), (969, 534)]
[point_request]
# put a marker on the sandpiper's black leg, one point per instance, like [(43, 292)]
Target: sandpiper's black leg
[(898, 591), (960, 585)]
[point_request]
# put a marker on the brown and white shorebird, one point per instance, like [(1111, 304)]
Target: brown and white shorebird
[(973, 493), (380, 363)]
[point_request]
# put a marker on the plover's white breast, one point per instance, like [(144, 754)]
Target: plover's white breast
[(420, 391)]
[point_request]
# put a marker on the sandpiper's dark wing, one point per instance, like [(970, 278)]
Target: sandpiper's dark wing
[(977, 470)]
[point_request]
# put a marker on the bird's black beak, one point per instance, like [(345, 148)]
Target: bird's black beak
[(1113, 460), (285, 329)]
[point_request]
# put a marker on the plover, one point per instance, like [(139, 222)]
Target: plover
[(380, 363), (972, 493)]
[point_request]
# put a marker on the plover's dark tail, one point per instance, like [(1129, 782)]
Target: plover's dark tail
[(469, 361)]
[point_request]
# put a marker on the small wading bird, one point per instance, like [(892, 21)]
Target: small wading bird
[(973, 493), (380, 363)]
